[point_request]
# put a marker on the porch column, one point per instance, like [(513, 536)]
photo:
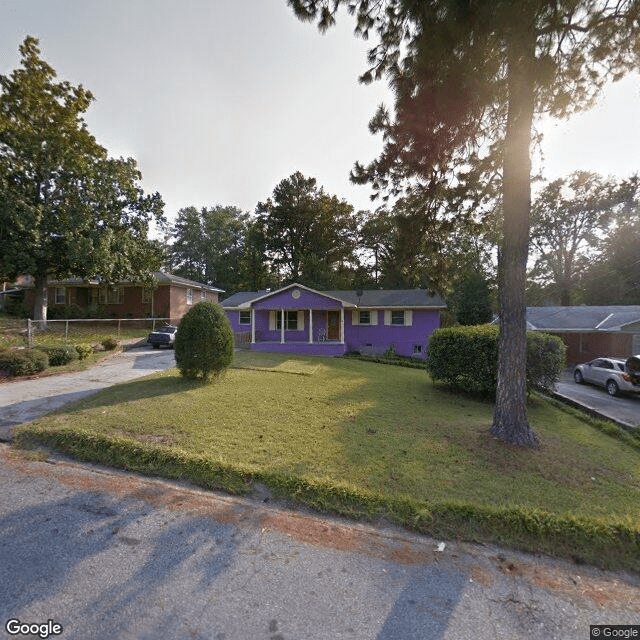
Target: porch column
[(253, 326), (310, 326), (341, 325), (281, 326)]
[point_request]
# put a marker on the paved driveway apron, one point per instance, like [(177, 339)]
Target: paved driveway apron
[(622, 409), (107, 554), (27, 400)]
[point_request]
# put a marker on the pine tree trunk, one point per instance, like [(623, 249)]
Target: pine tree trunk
[(510, 421)]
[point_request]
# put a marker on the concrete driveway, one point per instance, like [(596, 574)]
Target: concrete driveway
[(624, 410), (26, 400)]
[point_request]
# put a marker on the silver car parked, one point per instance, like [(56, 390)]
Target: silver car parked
[(610, 373)]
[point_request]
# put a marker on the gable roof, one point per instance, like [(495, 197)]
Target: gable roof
[(582, 318), (168, 278), (374, 298), (162, 277), (377, 298)]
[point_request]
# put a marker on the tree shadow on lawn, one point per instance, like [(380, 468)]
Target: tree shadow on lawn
[(144, 389), (419, 437)]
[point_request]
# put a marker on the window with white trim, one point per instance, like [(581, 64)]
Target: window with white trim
[(61, 295), (417, 349), (364, 317), (189, 296), (397, 317), (147, 295), (244, 317), (290, 320), (203, 295)]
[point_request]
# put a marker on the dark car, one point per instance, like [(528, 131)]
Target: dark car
[(164, 336)]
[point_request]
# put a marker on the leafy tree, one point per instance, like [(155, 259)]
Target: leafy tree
[(467, 74), (66, 208), (375, 239), (614, 278), (209, 245), (568, 219), (204, 342), (471, 299), (309, 234), (255, 269)]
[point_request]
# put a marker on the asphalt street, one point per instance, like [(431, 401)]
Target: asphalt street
[(106, 554)]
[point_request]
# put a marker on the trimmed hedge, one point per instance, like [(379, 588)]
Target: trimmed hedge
[(23, 362), (60, 355), (109, 344), (204, 342), (466, 358)]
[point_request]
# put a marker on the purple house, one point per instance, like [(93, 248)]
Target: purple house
[(297, 319)]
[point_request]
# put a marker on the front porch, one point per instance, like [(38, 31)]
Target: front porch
[(316, 328)]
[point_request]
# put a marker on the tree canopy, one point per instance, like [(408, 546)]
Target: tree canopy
[(570, 218), (468, 78), (309, 235), (613, 277), (208, 245), (66, 208)]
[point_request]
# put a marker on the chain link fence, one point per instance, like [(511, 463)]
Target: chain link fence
[(16, 332)]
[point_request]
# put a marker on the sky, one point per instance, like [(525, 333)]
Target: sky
[(220, 100)]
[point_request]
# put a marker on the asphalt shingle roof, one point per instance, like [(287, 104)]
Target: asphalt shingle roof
[(161, 276), (371, 298), (582, 318)]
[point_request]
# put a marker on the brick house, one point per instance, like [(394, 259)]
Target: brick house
[(171, 298), (590, 331)]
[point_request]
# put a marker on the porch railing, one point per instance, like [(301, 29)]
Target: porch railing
[(242, 339)]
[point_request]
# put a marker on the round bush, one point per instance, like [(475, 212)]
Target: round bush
[(23, 362), (109, 344), (84, 350), (204, 342), (60, 355)]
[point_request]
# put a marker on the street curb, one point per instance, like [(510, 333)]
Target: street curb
[(595, 413)]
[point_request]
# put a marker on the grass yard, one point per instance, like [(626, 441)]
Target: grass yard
[(13, 332), (371, 440)]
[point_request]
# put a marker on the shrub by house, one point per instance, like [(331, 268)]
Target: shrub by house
[(467, 358), (204, 342)]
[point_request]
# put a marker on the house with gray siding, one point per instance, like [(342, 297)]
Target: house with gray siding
[(298, 319)]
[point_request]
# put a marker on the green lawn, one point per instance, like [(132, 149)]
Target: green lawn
[(371, 440), (13, 332)]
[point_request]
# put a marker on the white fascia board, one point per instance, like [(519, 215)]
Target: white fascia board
[(401, 306), (298, 286)]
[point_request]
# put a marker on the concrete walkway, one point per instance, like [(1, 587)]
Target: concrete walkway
[(26, 400)]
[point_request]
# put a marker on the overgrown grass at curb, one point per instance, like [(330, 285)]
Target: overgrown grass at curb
[(369, 441)]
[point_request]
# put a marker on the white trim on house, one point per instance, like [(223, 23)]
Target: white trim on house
[(356, 317), (249, 303), (407, 319)]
